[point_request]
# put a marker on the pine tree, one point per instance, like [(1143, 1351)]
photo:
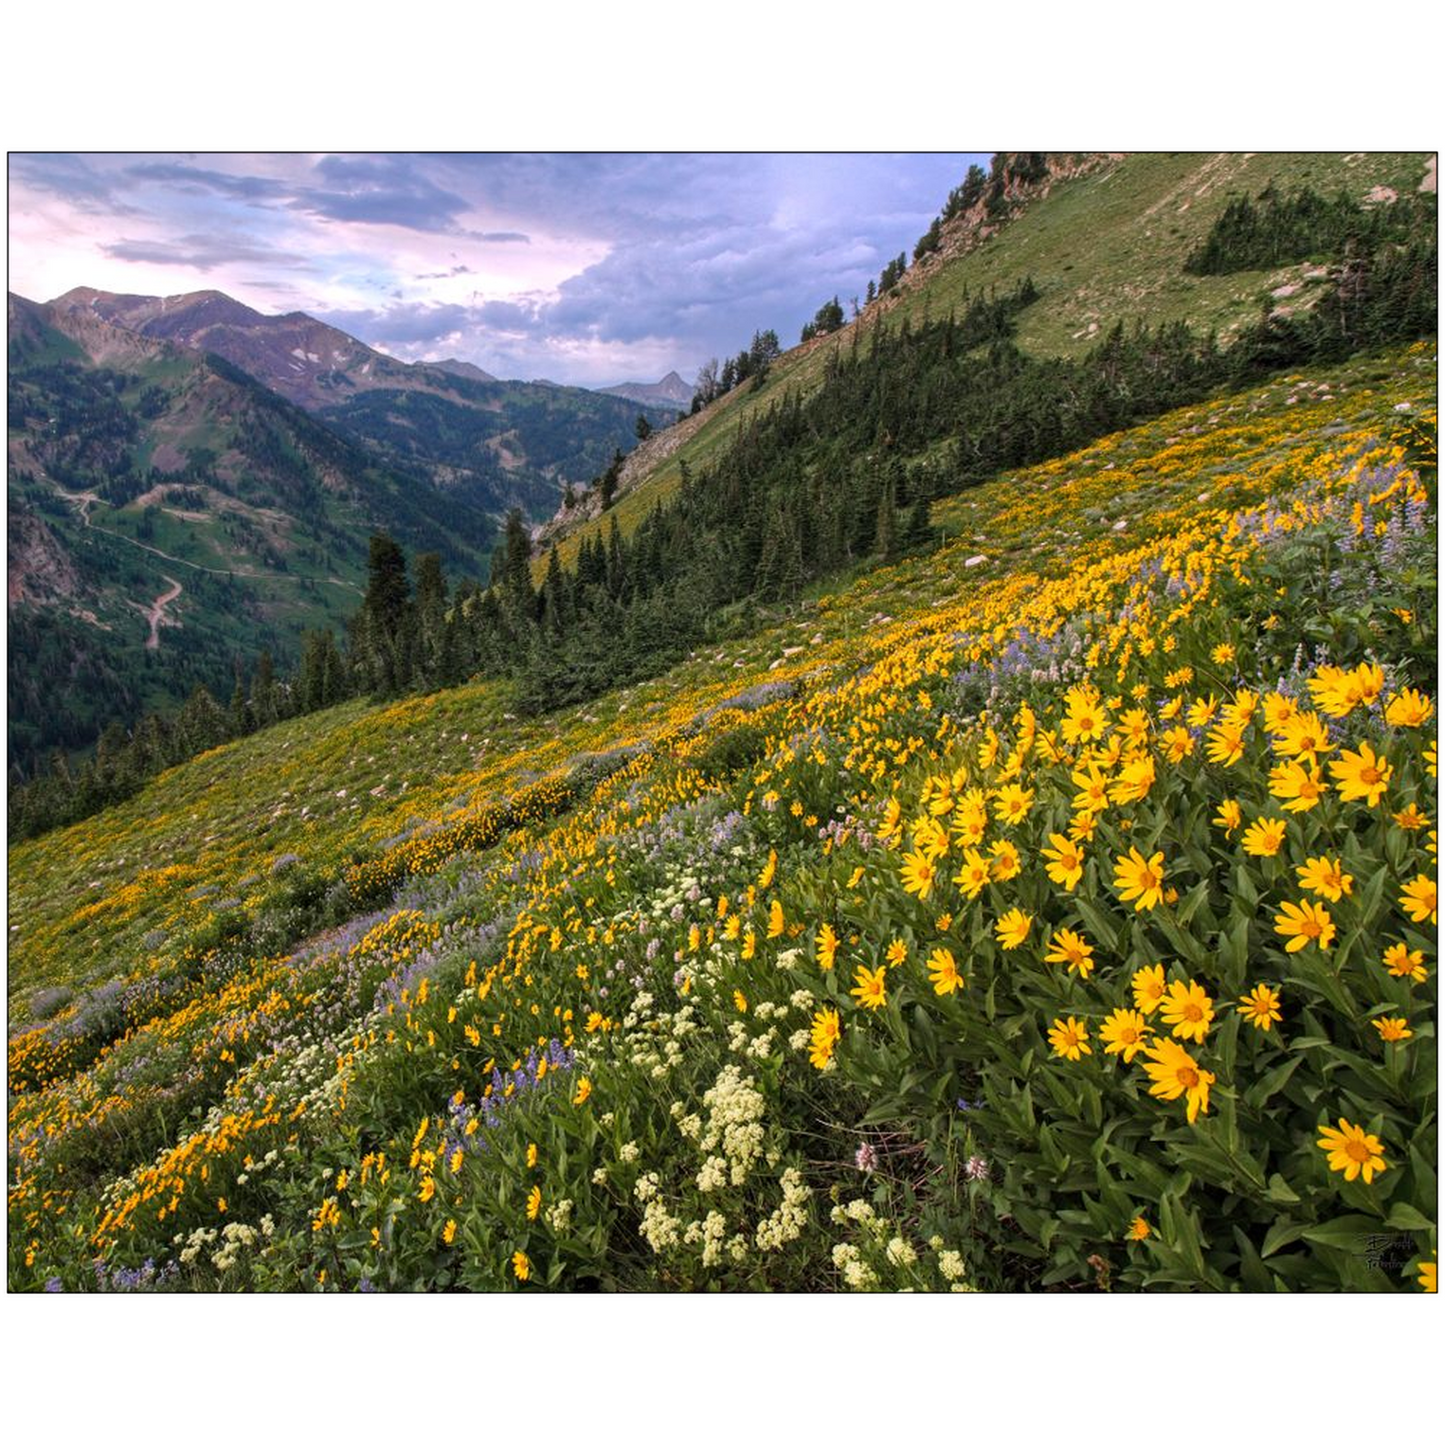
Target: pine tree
[(885, 537)]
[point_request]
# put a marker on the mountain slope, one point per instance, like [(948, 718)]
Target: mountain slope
[(135, 464), (1134, 217), (561, 955), (498, 444)]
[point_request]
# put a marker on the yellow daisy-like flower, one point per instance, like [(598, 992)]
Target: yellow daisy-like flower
[(1229, 816), (740, 1001), (428, 1188), (1139, 1229), (1188, 1010), (1298, 788), (1149, 986), (583, 1093), (1140, 880), (1430, 756), (770, 869), (918, 874), (750, 943), (776, 921), (1134, 725), (1223, 654), (1133, 783), (1361, 776), (870, 987), (534, 1201), (1427, 1275), (930, 838), (1006, 861), (1242, 710), (1304, 923), (1202, 710), (1394, 1030), (1419, 899), (1175, 1073), (1085, 718), (826, 1031), (1325, 878), (943, 971), (1226, 744), (1302, 736), (827, 947), (1069, 1040), (896, 952), (1012, 928), (1410, 818), (531, 1156), (521, 1265), (1261, 1006), (1352, 1151), (449, 1232), (1012, 804), (1066, 861), (1409, 709), (1278, 710), (1264, 837), (1072, 949), (975, 872), (1124, 1032), (1178, 743), (1406, 962), (988, 749), (1093, 786)]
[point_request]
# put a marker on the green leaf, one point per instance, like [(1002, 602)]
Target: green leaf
[(1281, 1234), (1279, 1192), (1352, 1233), (1406, 1216)]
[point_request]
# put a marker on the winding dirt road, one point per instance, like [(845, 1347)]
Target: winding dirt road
[(156, 613)]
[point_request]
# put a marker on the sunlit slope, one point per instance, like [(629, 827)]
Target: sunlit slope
[(1138, 217), (106, 897)]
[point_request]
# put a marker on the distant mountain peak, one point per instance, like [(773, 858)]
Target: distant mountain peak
[(671, 391), (466, 369)]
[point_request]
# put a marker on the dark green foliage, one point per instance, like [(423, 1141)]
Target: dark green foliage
[(1279, 229), (829, 318), (892, 274)]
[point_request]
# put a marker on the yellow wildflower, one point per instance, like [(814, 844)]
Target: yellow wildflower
[(1352, 1151)]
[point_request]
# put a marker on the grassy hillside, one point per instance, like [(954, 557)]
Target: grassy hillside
[(1135, 220), (731, 980)]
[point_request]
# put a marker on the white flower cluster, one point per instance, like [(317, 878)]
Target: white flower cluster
[(786, 1222), (734, 1123), (900, 1253), (234, 1238), (710, 1233), (559, 1216), (848, 1261), (950, 1264), (659, 1228)]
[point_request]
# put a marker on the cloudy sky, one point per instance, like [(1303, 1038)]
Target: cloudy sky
[(589, 269)]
